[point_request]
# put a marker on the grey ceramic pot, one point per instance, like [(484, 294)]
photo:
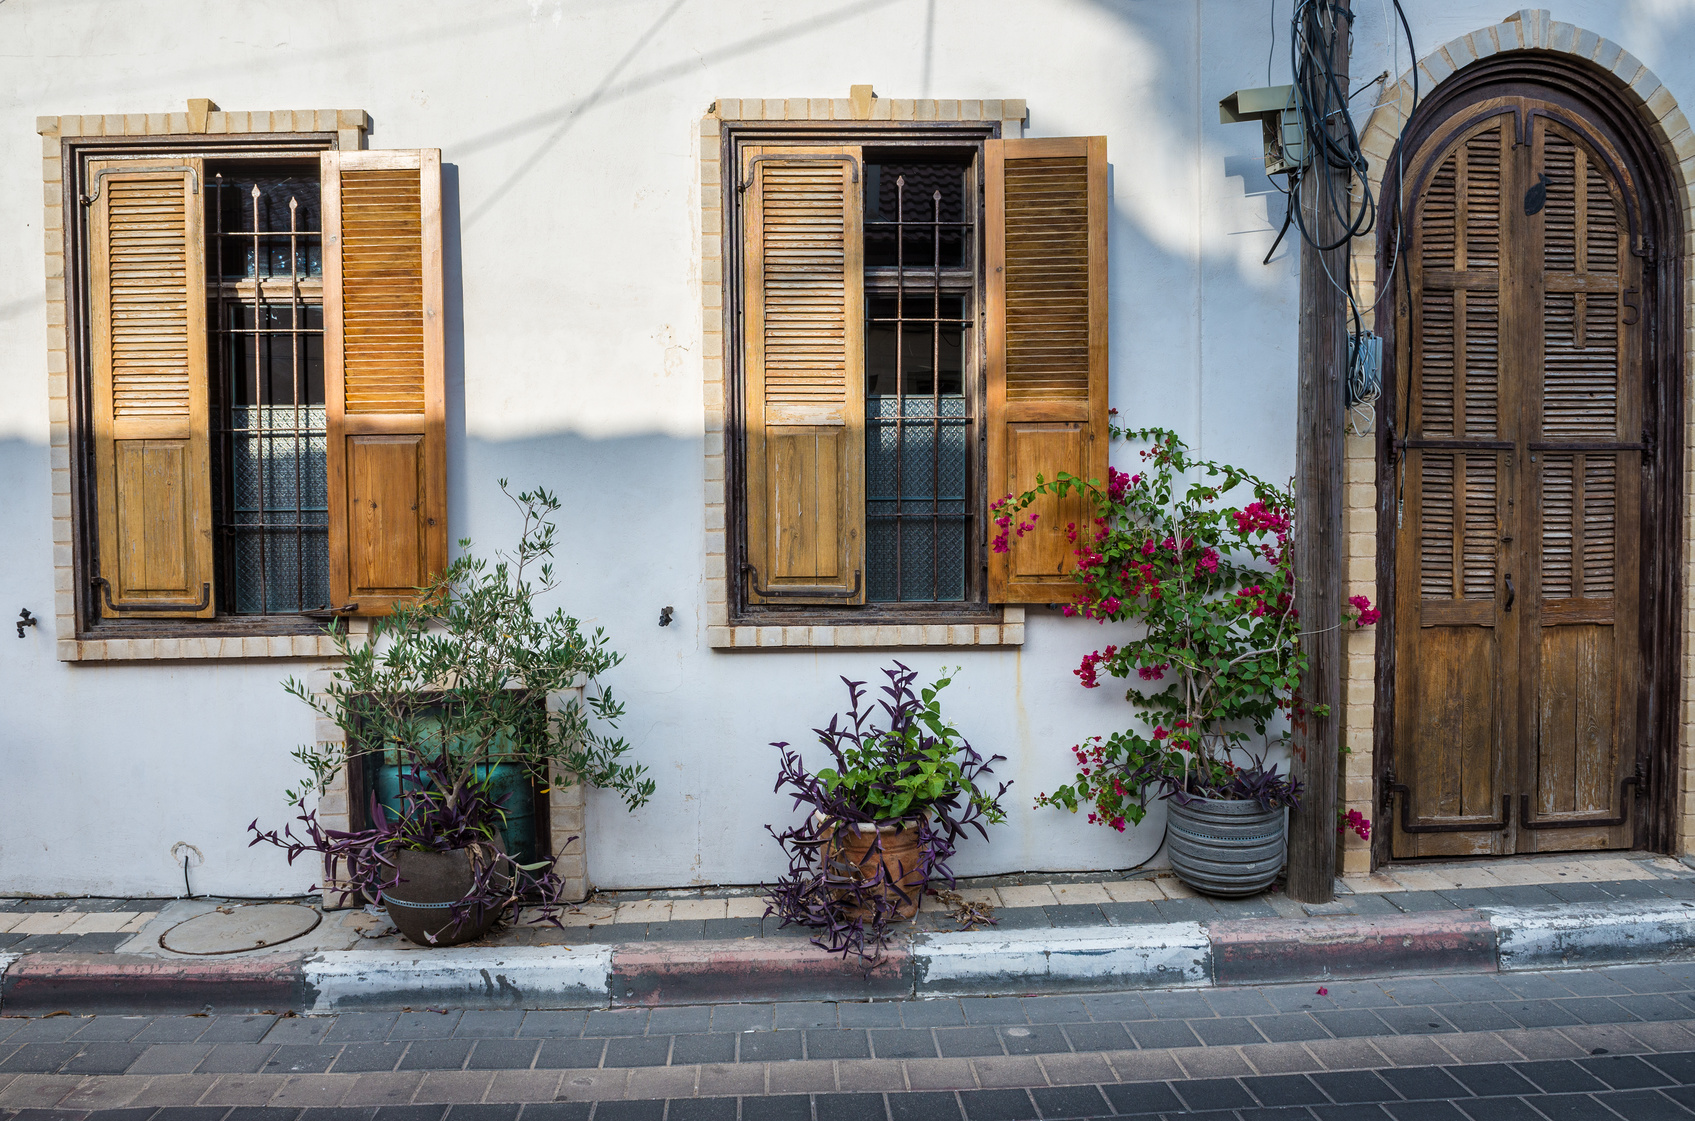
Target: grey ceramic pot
[(433, 880), (1226, 848)]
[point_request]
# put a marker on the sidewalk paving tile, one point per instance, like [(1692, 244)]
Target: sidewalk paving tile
[(768, 1046), (791, 1107), (1177, 1005), (1285, 1090), (1098, 1037), (1280, 1058), (1143, 1098), (171, 1029), (836, 1043), (1290, 1027), (518, 1054), (993, 1010), (1039, 1039), (943, 1013), (801, 1014), (1070, 1101), (924, 1107), (1213, 1062), (1070, 1069), (300, 1029), (103, 1094), (653, 1082), (383, 1089), (169, 1058), (1226, 1032), (1144, 1066), (236, 1058), (718, 1079), (242, 1089), (104, 1058), (39, 1058), (437, 1054), (959, 1043), (361, 1058), (660, 1021), (1027, 896), (454, 1086), (801, 1077), (868, 1075), (427, 1025), (311, 1090), (634, 1051), (742, 1017), (1162, 1033), (236, 1029), (940, 1074), (488, 1025), (1350, 1087), (359, 1027), (717, 1047), (1624, 1072)]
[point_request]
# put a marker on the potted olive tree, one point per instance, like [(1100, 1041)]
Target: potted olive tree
[(447, 700), (1215, 661), (884, 820)]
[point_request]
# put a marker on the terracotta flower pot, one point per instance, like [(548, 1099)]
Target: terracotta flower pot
[(421, 903), (864, 851)]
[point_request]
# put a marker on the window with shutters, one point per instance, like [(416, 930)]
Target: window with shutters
[(258, 426), (920, 313)]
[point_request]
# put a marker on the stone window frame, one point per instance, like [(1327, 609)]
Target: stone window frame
[(62, 136), (861, 105)]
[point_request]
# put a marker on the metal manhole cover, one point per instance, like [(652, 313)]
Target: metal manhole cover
[(234, 928)]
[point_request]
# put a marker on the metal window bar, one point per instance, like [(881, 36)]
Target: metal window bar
[(263, 432), (935, 514)]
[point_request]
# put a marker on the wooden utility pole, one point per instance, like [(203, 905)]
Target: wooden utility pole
[(1318, 486)]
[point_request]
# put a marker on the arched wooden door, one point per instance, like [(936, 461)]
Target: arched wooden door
[(1518, 488)]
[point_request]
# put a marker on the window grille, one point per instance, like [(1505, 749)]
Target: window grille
[(920, 425), (267, 355)]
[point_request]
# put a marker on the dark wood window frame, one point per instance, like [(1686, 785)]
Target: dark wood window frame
[(75, 154), (1588, 92), (872, 134)]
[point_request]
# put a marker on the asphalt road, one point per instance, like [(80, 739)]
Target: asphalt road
[(1612, 1043)]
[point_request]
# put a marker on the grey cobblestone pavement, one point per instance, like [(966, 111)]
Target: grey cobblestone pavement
[(1612, 1043)]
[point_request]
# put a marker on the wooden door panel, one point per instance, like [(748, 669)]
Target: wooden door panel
[(1455, 727)]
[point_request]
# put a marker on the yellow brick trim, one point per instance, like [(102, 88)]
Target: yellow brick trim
[(1527, 29), (859, 106)]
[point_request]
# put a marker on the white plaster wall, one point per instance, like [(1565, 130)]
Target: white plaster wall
[(568, 131)]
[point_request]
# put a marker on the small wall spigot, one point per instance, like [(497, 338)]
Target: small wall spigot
[(664, 617), (25, 619)]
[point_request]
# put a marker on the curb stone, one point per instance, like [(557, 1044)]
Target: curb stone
[(966, 963)]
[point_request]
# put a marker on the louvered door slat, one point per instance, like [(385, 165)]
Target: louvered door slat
[(1046, 309), (803, 257), (147, 311), (384, 375)]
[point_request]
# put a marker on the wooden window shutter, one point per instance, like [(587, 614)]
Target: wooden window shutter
[(1047, 337), (803, 254), (147, 334), (383, 375)]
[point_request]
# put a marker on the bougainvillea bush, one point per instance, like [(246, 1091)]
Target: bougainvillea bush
[(910, 767), (1197, 553)]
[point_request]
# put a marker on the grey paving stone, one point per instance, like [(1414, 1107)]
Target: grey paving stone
[(1633, 889), (1098, 1037), (769, 1046), (1349, 1087), (1560, 1076), (169, 1029), (1238, 1002), (1280, 1090), (1162, 1033), (1021, 918), (236, 1058), (718, 1047), (1290, 1027), (965, 1043), (484, 1112), (1055, 1009), (1416, 990), (678, 930), (743, 1017), (1034, 1039), (1423, 1111), (1254, 908), (236, 1029), (1177, 1005), (437, 1054), (102, 1058), (44, 943), (1597, 1010), (617, 1021), (1643, 1105), (848, 1107), (488, 1025), (903, 1043), (1578, 892), (945, 1013), (789, 1107), (924, 1106), (993, 1010), (635, 1051), (1478, 1017), (1214, 1093), (260, 1113), (1142, 1098), (169, 1058), (39, 1058), (884, 1013), (1644, 979), (1412, 902), (1624, 1072), (1359, 994), (428, 1025), (1492, 1080), (1584, 982), (1430, 1082), (730, 928), (1117, 1006), (1226, 1032), (1297, 998), (806, 1014), (1351, 1023), (573, 1111), (1414, 1021), (1369, 904), (1472, 987), (1539, 1013), (570, 1054), (360, 1027), (1074, 915), (676, 1021), (995, 1105), (1069, 1101), (363, 1058), (1186, 910), (1524, 895), (425, 1112), (837, 1043), (300, 1029), (1679, 1065), (298, 1058), (1130, 914)]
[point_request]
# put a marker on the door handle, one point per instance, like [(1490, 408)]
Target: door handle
[(1511, 594)]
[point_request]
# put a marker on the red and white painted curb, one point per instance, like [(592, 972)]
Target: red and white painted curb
[(976, 963)]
